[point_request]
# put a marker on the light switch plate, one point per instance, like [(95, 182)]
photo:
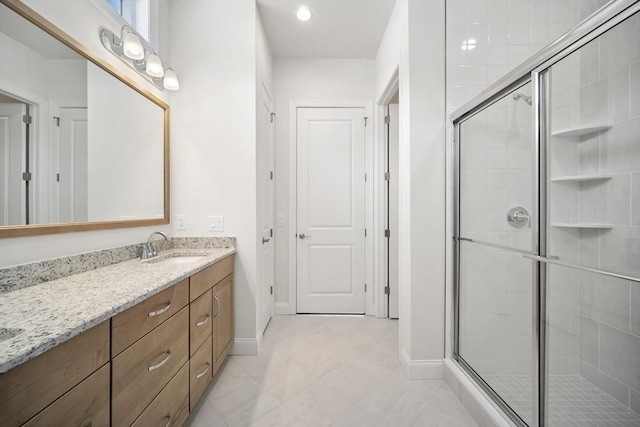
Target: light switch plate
[(181, 222), (280, 220), (216, 223)]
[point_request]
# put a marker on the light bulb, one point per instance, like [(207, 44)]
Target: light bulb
[(303, 14), (171, 80), (154, 66), (132, 47)]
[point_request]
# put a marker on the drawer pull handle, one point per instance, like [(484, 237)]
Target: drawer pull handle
[(162, 310), (162, 362), (215, 297), (168, 418), (202, 374), (203, 322)]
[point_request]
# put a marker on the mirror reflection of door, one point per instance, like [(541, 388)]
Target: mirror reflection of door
[(72, 165), (13, 161)]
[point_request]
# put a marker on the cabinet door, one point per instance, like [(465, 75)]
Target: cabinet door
[(87, 404), (223, 313)]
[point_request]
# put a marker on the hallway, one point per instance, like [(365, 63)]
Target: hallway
[(326, 371)]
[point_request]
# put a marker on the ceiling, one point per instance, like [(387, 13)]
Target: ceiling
[(337, 28)]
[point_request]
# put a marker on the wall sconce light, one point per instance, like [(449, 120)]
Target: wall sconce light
[(139, 55)]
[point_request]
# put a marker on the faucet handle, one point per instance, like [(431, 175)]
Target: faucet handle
[(145, 252)]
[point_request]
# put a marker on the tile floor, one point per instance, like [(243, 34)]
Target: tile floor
[(314, 371), (574, 402)]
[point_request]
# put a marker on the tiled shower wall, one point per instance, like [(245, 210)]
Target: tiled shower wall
[(607, 92)]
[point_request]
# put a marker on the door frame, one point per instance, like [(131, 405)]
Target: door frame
[(294, 104)]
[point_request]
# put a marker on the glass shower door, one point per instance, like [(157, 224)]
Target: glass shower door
[(495, 321), (593, 232)]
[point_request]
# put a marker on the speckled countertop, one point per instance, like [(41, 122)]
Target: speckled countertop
[(52, 312)]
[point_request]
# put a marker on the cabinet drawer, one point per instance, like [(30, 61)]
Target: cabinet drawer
[(200, 315), (200, 370), (142, 370), (207, 278), (87, 404), (171, 406), (132, 324), (32, 386)]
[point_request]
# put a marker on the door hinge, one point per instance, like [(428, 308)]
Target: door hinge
[(273, 115), (271, 175), (57, 177), (387, 290), (57, 120), (26, 176), (365, 287), (387, 233), (365, 177), (271, 232), (365, 232), (387, 120), (271, 290), (26, 119), (387, 176), (366, 119)]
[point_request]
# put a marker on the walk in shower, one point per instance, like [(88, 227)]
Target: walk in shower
[(547, 230)]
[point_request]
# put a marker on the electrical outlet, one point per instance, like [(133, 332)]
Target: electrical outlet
[(280, 220), (181, 222), (216, 223)]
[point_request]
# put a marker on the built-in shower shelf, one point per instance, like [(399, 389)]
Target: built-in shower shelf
[(594, 225), (581, 130), (581, 178)]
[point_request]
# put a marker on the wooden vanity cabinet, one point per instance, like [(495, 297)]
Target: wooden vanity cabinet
[(148, 365), (31, 387)]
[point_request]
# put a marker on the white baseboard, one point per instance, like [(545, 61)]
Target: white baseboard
[(422, 369), (244, 346), (282, 308)]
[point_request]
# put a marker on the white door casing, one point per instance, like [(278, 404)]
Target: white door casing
[(12, 159), (266, 197), (330, 219), (72, 165), (394, 210)]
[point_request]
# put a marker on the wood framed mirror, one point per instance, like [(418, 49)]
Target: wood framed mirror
[(82, 146)]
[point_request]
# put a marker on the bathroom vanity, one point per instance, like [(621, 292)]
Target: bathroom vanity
[(134, 343)]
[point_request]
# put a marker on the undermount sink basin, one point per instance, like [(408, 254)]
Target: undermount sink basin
[(8, 333), (176, 259)]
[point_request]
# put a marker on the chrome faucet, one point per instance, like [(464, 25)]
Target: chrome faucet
[(149, 250)]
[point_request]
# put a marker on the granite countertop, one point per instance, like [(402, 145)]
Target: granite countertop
[(51, 313)]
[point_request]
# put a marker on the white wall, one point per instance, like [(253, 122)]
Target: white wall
[(213, 132), (309, 79), (83, 25), (126, 151), (422, 181)]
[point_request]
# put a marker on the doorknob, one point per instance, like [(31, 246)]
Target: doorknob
[(304, 236), (265, 240)]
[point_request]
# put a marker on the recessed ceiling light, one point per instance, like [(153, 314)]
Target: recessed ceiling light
[(303, 13), (469, 44)]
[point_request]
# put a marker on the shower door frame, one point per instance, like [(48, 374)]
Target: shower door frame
[(536, 71)]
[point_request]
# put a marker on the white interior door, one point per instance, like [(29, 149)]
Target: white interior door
[(394, 209), (13, 139), (266, 197), (72, 165), (331, 210)]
